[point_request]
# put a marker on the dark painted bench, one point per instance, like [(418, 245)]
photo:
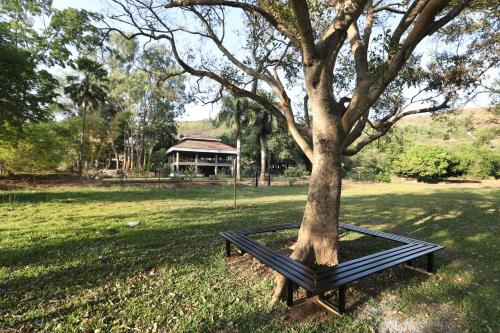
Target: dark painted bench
[(318, 282)]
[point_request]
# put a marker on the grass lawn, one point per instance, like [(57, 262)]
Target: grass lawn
[(69, 262)]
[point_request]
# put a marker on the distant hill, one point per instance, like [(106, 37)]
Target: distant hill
[(203, 127), (452, 128), (448, 128)]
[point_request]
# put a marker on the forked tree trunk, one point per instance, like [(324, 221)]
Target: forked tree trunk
[(318, 235), (238, 155)]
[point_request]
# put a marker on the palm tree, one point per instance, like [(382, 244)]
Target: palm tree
[(233, 114), (86, 90)]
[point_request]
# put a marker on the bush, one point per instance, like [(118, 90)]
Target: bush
[(384, 177), (477, 162), (41, 148), (297, 171), (426, 163), (158, 157), (166, 170), (247, 171), (190, 171)]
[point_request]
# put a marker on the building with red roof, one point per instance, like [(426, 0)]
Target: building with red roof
[(208, 155)]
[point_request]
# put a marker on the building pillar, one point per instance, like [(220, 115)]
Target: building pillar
[(216, 163), (196, 163), (176, 162)]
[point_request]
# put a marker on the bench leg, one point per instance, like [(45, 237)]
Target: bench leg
[(228, 249), (430, 263), (289, 292), (341, 299)]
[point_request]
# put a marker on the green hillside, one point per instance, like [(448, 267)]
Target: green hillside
[(204, 127), (454, 128), (449, 128)]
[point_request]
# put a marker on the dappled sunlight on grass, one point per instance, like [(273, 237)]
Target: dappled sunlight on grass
[(69, 261)]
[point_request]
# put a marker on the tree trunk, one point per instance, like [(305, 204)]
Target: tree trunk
[(238, 155), (263, 159), (318, 235), (116, 157), (132, 148), (82, 143)]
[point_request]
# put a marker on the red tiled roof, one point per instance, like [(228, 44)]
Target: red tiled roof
[(198, 137), (202, 145)]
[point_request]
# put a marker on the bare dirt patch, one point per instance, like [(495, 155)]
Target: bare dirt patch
[(432, 318), (381, 312)]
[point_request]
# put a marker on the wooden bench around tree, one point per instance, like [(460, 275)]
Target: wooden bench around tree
[(319, 282)]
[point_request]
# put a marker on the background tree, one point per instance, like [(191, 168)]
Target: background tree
[(27, 89), (87, 90), (313, 42), (40, 149), (232, 114), (142, 84), (262, 123)]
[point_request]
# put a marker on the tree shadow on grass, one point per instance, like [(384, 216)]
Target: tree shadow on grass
[(91, 260), (463, 222)]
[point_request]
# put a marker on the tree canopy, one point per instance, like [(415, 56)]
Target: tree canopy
[(28, 91)]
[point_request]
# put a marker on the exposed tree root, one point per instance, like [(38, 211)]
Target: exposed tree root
[(307, 254)]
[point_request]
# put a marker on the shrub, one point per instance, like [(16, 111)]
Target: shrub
[(477, 162), (190, 171), (166, 170), (426, 163), (384, 177), (297, 171), (247, 171), (158, 157)]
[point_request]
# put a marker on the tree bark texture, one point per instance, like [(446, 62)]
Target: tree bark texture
[(318, 236)]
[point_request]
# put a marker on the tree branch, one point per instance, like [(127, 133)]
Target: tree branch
[(334, 37), (422, 13), (273, 21), (305, 30), (382, 128)]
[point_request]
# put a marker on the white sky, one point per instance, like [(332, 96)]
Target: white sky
[(194, 111)]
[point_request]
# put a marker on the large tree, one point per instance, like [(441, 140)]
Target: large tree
[(88, 90), (357, 61), (140, 82), (34, 37)]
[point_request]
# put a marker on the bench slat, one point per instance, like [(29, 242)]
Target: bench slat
[(276, 261), (293, 273), (331, 277), (380, 234), (367, 259), (340, 282), (287, 260), (342, 272)]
